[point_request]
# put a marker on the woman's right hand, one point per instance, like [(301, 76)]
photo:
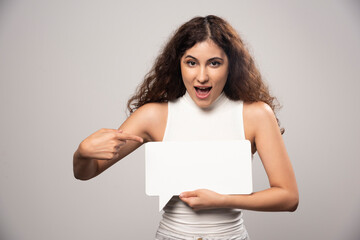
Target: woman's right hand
[(105, 144)]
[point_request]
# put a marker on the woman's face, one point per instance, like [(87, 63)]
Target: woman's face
[(204, 70)]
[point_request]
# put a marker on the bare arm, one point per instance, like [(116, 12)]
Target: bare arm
[(261, 129), (101, 150), (105, 147)]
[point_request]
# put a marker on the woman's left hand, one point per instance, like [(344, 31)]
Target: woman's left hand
[(203, 199)]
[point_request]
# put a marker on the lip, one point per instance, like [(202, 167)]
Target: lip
[(202, 96)]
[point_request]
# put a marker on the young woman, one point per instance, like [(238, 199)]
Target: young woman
[(203, 86)]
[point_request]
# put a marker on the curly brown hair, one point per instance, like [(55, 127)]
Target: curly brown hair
[(164, 83)]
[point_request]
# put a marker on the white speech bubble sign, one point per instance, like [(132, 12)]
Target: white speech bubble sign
[(174, 167)]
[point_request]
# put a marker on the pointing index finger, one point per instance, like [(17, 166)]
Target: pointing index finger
[(127, 136)]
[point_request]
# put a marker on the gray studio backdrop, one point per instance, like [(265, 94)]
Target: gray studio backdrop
[(67, 69)]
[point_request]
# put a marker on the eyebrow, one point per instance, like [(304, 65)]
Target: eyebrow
[(211, 59)]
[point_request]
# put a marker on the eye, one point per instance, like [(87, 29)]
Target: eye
[(190, 63), (215, 63)]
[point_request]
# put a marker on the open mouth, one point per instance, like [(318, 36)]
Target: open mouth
[(202, 92)]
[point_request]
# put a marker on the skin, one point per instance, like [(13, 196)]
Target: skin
[(203, 64)]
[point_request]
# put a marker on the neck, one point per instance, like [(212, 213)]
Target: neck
[(216, 103)]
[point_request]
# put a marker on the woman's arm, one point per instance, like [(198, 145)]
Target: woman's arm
[(105, 147), (262, 130), (102, 149)]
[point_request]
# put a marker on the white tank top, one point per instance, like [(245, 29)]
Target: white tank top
[(223, 120)]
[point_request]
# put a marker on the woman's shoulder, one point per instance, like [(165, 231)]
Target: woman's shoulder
[(257, 117), (153, 109), (256, 111), (152, 117), (150, 112)]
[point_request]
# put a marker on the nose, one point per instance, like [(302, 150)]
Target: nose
[(202, 76)]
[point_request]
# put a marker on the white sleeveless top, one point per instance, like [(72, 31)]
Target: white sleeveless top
[(186, 121)]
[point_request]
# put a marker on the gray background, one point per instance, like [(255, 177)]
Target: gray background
[(67, 69)]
